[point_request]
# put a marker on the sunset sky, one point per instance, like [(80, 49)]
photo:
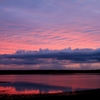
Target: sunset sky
[(34, 34)]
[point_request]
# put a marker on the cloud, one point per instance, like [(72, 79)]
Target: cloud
[(53, 59), (85, 55), (85, 66), (53, 24)]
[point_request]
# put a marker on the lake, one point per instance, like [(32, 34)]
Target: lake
[(37, 83)]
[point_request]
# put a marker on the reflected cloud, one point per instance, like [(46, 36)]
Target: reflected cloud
[(12, 90), (33, 88)]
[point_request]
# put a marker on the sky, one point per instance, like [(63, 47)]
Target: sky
[(40, 31)]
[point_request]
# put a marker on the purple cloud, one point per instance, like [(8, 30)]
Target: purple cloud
[(53, 24), (53, 59)]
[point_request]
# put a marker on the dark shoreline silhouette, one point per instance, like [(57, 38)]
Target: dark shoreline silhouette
[(3, 72), (91, 94)]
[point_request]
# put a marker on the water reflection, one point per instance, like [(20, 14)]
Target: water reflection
[(12, 90), (25, 87), (34, 84)]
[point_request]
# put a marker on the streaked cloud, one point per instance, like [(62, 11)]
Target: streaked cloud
[(53, 59), (53, 24), (35, 24)]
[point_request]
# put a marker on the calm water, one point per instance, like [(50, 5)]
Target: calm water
[(34, 84)]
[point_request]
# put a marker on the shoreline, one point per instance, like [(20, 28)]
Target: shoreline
[(75, 95), (8, 72)]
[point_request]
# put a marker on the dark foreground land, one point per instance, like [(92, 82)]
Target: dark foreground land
[(48, 71), (84, 95)]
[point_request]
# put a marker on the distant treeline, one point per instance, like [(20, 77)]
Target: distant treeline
[(47, 71)]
